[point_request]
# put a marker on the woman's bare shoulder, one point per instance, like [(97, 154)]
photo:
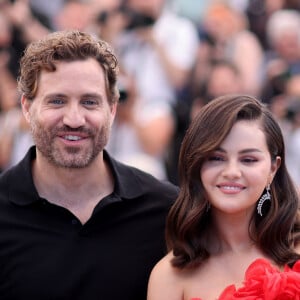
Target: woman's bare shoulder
[(165, 268), (165, 281)]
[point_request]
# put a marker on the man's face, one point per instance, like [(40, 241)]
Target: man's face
[(70, 117)]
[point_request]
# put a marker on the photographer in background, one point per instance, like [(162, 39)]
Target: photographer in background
[(15, 137), (292, 136), (141, 130), (293, 140), (158, 47), (157, 50), (282, 60)]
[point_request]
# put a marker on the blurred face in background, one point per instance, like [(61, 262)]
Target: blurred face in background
[(223, 80), (149, 7), (5, 31), (288, 45)]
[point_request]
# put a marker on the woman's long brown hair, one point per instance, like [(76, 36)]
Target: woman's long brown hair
[(276, 233)]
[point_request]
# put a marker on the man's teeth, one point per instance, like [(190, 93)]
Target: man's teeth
[(72, 137)]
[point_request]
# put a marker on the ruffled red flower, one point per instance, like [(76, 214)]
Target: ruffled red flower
[(265, 282)]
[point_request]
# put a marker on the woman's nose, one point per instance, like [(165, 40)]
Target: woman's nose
[(231, 169)]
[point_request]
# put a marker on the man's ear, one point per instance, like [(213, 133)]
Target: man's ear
[(26, 104), (113, 112)]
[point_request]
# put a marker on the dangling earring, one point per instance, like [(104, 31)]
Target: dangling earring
[(266, 196), (207, 207)]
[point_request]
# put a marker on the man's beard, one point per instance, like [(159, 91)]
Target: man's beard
[(69, 156)]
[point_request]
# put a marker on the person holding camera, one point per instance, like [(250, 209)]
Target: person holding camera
[(158, 47), (157, 50)]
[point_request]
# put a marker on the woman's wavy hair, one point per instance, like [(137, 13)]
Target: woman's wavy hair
[(69, 45), (188, 222)]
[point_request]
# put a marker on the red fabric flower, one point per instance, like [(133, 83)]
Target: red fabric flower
[(265, 282)]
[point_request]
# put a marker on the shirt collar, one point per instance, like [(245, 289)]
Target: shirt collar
[(22, 190)]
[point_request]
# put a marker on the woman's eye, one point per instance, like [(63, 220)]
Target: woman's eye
[(215, 158), (249, 160)]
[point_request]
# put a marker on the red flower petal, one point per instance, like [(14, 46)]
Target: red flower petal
[(265, 282)]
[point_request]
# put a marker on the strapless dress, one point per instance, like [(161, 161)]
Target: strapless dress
[(263, 281)]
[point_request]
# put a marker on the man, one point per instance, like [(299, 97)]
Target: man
[(75, 223)]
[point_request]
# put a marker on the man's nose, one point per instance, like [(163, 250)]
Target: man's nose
[(74, 116)]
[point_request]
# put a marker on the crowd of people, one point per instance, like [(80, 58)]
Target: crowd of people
[(172, 63)]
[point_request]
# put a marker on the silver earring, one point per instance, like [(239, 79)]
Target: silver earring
[(207, 207), (265, 196)]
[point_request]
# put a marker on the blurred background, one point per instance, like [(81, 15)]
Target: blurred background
[(175, 56)]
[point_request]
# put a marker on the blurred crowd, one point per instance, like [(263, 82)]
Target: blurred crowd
[(175, 56)]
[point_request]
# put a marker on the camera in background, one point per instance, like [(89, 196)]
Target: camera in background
[(135, 19)]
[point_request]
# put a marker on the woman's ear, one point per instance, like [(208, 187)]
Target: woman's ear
[(275, 166)]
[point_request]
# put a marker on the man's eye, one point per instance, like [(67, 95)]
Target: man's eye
[(57, 101), (89, 102)]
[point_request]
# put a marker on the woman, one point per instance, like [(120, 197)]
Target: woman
[(237, 210)]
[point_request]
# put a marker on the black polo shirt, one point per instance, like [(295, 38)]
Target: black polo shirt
[(46, 253)]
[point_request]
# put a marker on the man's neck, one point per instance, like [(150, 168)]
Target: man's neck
[(79, 189)]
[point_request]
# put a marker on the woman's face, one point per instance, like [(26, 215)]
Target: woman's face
[(235, 175)]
